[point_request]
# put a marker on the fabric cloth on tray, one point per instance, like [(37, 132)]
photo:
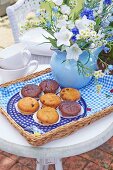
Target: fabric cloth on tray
[(93, 100)]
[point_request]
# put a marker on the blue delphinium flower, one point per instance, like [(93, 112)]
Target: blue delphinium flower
[(106, 49), (107, 2), (88, 13), (110, 18), (54, 18), (110, 39), (75, 31), (105, 23), (55, 9), (73, 38), (48, 24), (110, 67)]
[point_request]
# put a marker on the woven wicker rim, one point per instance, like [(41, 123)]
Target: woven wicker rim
[(58, 132)]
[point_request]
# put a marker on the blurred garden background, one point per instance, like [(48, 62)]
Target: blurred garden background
[(6, 38)]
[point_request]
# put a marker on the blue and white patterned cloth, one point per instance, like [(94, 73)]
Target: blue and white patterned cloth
[(93, 100), (96, 101)]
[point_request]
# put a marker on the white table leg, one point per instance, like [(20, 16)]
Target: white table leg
[(58, 164), (43, 164), (46, 167), (39, 166)]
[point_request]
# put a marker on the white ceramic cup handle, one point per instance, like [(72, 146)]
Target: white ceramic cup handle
[(33, 65), (26, 54)]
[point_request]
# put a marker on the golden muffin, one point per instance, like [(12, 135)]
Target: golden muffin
[(47, 116), (70, 94), (50, 99), (28, 105)]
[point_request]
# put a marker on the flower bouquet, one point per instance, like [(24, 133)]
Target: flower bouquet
[(79, 30)]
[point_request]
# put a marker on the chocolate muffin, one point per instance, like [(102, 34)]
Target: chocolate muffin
[(69, 108), (49, 86), (31, 90)]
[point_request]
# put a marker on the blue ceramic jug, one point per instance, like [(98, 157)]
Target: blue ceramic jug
[(66, 71)]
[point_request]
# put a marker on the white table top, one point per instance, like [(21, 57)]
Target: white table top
[(82, 141)]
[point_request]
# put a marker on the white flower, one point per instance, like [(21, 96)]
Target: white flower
[(104, 42), (65, 9), (84, 34), (98, 74), (93, 45), (78, 37), (93, 33), (64, 17), (100, 7), (63, 37), (91, 25), (96, 37), (73, 52), (70, 24), (58, 2), (84, 23), (61, 23)]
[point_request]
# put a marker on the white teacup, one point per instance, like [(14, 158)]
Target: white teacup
[(14, 57), (9, 75)]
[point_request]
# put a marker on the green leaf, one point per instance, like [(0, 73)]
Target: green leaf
[(76, 10), (98, 21), (48, 7), (110, 28), (66, 2), (53, 42), (50, 32)]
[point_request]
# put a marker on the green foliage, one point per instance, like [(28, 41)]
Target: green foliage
[(53, 42), (108, 58), (83, 69), (97, 26), (91, 3), (76, 10), (66, 2)]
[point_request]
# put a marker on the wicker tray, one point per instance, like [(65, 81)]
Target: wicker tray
[(73, 126)]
